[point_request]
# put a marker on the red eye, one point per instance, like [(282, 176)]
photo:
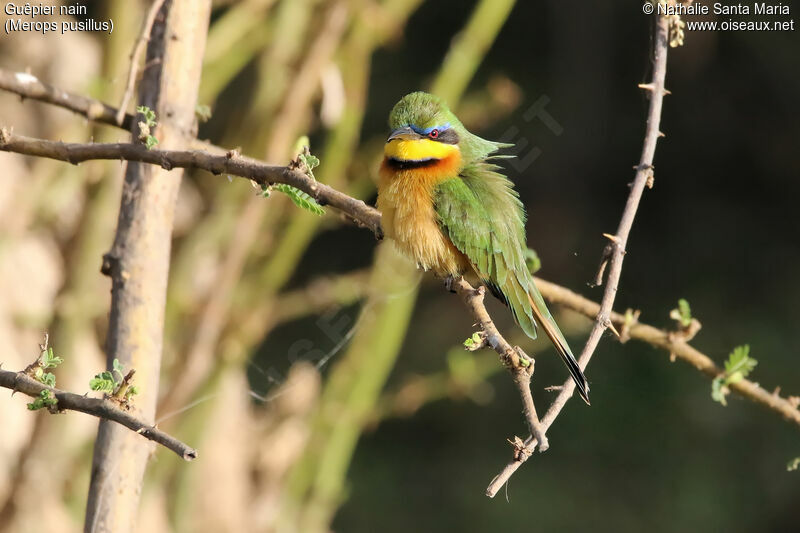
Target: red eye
[(433, 134)]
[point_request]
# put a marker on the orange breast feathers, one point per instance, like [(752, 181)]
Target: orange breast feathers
[(405, 199)]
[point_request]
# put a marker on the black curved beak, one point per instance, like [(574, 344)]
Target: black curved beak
[(404, 133)]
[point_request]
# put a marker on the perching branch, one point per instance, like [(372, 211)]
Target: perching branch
[(675, 346), (100, 408), (615, 250), (518, 363), (231, 164)]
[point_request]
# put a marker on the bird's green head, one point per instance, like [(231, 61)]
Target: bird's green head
[(424, 128)]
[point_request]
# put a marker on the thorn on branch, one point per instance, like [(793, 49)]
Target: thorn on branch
[(110, 265)]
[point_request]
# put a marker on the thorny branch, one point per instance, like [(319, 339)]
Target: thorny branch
[(100, 408), (28, 86), (676, 345), (230, 163), (515, 360), (616, 253)]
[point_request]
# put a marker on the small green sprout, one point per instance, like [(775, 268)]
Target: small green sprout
[(103, 382), (683, 314), (311, 162), (475, 340), (114, 383), (45, 399), (47, 360), (146, 126), (306, 162), (737, 367)]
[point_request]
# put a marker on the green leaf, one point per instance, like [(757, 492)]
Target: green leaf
[(150, 142), (473, 340), (739, 361), (311, 161), (48, 379), (133, 390), (686, 311), (149, 115), (104, 382), (532, 260), (717, 392), (737, 367), (45, 399), (300, 198), (50, 359)]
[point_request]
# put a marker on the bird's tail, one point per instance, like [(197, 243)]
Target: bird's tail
[(528, 307)]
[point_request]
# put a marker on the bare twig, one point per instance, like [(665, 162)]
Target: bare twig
[(29, 86), (615, 250), (231, 164), (672, 344), (138, 48), (100, 408), (518, 363)]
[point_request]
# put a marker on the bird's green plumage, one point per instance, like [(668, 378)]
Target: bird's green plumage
[(428, 111), (481, 213)]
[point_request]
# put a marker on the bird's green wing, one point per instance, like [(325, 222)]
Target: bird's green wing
[(482, 215)]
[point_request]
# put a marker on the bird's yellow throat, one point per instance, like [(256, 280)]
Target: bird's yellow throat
[(418, 149)]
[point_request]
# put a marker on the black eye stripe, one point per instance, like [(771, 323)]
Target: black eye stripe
[(448, 136)]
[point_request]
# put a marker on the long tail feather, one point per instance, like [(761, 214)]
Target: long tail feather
[(528, 308), (552, 330)]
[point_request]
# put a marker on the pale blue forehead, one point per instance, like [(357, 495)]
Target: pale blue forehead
[(425, 131)]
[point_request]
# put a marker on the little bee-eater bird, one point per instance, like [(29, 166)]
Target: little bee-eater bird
[(448, 208)]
